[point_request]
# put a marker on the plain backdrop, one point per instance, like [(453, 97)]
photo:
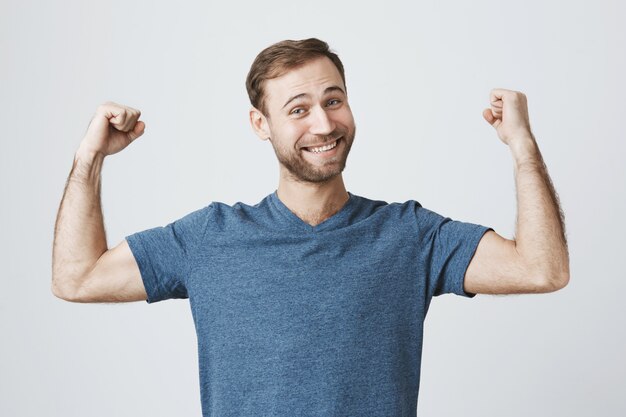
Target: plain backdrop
[(418, 76)]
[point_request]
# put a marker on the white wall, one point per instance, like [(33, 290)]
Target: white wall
[(418, 75)]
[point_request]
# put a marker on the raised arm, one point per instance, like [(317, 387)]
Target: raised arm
[(83, 269), (537, 260)]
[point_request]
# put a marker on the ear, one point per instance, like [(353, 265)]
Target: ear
[(259, 124)]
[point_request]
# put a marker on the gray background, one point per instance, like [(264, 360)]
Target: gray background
[(419, 76)]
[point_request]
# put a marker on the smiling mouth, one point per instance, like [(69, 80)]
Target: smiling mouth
[(322, 149)]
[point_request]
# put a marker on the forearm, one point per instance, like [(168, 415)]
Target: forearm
[(79, 235), (540, 229)]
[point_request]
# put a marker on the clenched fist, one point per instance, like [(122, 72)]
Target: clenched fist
[(508, 114), (112, 128)]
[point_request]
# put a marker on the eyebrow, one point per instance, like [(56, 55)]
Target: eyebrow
[(328, 90)]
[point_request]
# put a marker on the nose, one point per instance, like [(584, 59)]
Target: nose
[(321, 123)]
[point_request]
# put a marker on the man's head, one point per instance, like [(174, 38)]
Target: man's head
[(298, 93), (281, 57)]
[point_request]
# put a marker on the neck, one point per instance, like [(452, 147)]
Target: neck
[(313, 202)]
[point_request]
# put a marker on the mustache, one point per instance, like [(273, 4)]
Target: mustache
[(321, 140)]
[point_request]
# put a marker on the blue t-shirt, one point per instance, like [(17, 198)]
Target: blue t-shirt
[(300, 320)]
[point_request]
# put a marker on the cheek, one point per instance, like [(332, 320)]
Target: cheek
[(285, 139), (346, 117), (292, 132)]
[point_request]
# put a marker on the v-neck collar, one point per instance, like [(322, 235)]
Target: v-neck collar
[(335, 221)]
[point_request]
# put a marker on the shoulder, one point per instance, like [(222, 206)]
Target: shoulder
[(226, 216), (430, 224), (382, 212), (372, 206)]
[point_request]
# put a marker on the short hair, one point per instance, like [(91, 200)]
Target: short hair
[(277, 59)]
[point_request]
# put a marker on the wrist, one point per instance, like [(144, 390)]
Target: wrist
[(87, 165), (87, 156), (524, 149)]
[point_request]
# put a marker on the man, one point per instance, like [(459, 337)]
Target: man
[(312, 301)]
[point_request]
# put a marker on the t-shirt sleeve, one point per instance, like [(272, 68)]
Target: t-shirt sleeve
[(448, 246), (164, 254)]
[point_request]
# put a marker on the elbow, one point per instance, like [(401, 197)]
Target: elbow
[(562, 280), (60, 292), (550, 276), (63, 292), (554, 282)]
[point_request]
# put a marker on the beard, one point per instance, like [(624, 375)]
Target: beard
[(304, 171)]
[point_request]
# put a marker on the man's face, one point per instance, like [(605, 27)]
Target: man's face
[(307, 109)]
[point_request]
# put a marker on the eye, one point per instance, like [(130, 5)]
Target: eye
[(333, 101), (297, 111)]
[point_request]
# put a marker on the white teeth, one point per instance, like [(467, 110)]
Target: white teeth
[(324, 148)]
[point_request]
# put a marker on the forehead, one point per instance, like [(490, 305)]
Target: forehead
[(311, 78)]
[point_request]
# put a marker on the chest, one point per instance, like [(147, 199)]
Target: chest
[(312, 284)]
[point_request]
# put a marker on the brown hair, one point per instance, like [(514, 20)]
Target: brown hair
[(277, 59)]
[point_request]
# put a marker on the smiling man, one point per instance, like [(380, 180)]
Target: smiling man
[(304, 113), (312, 301)]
